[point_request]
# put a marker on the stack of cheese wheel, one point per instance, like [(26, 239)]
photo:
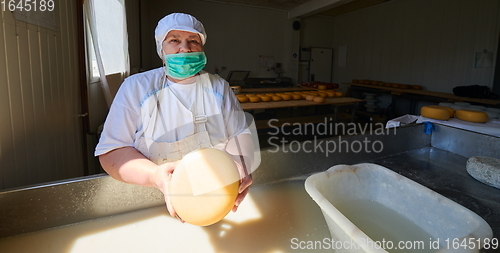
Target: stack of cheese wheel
[(472, 115), (437, 112), (204, 186)]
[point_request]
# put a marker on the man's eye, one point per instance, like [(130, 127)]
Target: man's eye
[(195, 42)]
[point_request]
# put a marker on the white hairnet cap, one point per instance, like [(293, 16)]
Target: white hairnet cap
[(177, 21)]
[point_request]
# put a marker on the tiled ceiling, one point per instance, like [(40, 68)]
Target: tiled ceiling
[(288, 5)]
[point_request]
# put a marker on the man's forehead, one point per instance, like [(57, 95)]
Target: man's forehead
[(178, 33)]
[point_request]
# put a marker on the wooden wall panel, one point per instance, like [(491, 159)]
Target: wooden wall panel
[(40, 129)]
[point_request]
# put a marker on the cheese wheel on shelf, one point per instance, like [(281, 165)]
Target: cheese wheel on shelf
[(319, 99), (254, 99), (243, 99), (450, 110), (286, 97), (310, 97), (435, 112), (296, 96), (471, 115), (276, 98), (321, 87), (330, 94), (265, 98), (250, 95), (339, 93), (204, 186)]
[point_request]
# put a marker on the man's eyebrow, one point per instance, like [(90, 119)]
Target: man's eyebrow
[(176, 36)]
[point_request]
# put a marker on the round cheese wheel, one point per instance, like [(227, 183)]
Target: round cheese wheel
[(204, 169), (243, 99), (321, 87), (296, 96), (450, 110), (339, 94), (254, 99), (471, 115), (310, 97), (330, 94), (250, 95), (435, 112), (276, 98), (261, 95), (265, 98), (270, 94), (319, 99), (286, 96)]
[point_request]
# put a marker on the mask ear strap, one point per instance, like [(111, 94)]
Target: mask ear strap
[(163, 58)]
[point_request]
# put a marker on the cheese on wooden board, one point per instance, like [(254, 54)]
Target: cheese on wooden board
[(254, 99), (243, 99), (435, 112), (319, 99), (471, 115), (265, 98), (204, 186)]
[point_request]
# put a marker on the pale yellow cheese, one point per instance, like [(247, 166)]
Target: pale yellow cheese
[(435, 112), (204, 186), (471, 115)]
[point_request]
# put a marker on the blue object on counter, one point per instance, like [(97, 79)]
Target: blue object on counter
[(429, 127)]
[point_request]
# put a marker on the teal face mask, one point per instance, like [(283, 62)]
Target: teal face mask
[(184, 65)]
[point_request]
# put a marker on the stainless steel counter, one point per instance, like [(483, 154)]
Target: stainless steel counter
[(437, 161)]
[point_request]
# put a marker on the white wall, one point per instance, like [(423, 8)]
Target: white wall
[(237, 35), (40, 131), (426, 42)]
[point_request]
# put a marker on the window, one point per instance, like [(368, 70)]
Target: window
[(107, 41)]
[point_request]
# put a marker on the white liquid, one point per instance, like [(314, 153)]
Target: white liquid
[(267, 220), (381, 224)]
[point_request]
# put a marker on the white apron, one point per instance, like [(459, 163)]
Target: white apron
[(163, 152)]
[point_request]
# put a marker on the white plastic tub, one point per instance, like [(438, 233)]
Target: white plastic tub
[(369, 208)]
